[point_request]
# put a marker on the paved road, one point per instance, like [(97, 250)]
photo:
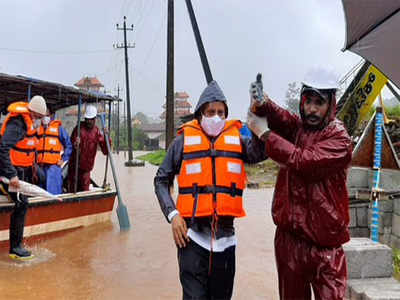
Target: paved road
[(100, 262)]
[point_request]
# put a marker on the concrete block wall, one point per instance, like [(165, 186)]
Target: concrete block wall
[(395, 234), (389, 222)]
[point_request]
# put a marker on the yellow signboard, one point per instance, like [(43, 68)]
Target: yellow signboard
[(361, 99)]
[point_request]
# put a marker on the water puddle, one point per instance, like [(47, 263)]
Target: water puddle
[(41, 255)]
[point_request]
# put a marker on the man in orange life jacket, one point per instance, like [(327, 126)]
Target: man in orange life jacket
[(17, 155), (52, 140), (208, 155)]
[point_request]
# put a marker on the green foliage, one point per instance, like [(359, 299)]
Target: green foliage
[(396, 263), (393, 111), (138, 137), (155, 158)]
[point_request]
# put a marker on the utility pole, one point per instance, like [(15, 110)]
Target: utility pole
[(169, 119), (130, 162), (118, 120)]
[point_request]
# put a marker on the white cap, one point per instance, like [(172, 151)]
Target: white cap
[(91, 112), (38, 105)]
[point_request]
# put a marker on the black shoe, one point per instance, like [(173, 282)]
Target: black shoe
[(20, 253)]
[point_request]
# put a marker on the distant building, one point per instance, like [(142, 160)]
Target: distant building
[(89, 84), (182, 107)]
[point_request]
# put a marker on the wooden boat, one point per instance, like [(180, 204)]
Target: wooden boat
[(48, 216)]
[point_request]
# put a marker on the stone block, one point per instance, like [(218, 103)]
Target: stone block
[(362, 216), (394, 241), (396, 224), (359, 232), (357, 287), (386, 218), (366, 259), (396, 205), (386, 205), (353, 217)]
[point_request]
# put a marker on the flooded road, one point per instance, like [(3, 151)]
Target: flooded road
[(100, 262)]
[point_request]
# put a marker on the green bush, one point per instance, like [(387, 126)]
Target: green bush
[(396, 263)]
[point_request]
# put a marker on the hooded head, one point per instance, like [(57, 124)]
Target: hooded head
[(317, 106), (211, 93)]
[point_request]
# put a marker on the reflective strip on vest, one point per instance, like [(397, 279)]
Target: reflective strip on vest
[(49, 145)]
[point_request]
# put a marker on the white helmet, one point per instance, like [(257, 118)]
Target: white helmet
[(38, 105), (91, 112)]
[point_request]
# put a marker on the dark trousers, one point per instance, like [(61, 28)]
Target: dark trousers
[(200, 284), (83, 180), (17, 219)]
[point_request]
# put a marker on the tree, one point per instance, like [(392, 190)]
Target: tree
[(141, 117), (293, 98)]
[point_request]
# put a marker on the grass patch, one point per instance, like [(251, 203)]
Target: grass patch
[(263, 173), (155, 158), (396, 263)]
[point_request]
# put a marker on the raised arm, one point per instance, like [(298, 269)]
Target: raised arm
[(319, 160), (280, 120)]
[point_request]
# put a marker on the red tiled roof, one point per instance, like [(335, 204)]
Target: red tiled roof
[(181, 95), (88, 81)]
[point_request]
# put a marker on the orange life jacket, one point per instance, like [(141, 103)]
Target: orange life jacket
[(49, 146), (23, 153), (212, 175)]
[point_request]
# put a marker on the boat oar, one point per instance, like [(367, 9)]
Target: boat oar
[(122, 211)]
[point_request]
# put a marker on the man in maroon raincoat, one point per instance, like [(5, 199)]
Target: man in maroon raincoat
[(310, 205), (90, 138)]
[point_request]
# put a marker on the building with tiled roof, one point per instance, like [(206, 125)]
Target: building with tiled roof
[(89, 84), (182, 106)]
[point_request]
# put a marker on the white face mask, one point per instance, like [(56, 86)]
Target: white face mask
[(37, 123), (46, 120), (212, 125)]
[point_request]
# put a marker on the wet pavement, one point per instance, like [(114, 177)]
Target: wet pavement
[(100, 262)]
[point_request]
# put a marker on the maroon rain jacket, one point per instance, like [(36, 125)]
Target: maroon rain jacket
[(310, 198), (90, 139)]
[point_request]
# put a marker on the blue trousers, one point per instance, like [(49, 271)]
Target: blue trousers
[(54, 181)]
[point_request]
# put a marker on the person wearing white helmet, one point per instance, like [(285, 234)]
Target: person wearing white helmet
[(310, 206), (17, 156), (88, 141)]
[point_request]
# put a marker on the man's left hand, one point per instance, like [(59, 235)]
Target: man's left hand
[(60, 163), (258, 125)]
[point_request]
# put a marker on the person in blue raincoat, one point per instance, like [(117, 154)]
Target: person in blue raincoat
[(54, 149)]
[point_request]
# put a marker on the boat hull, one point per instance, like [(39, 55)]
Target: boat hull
[(47, 216)]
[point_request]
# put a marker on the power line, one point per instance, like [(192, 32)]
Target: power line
[(55, 52)]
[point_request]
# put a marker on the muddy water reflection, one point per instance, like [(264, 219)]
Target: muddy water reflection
[(100, 262)]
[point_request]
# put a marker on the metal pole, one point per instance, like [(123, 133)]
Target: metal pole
[(200, 47), (377, 173), (79, 144), (128, 103), (169, 117), (118, 121), (29, 92)]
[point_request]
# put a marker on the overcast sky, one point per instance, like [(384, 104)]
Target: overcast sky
[(63, 40)]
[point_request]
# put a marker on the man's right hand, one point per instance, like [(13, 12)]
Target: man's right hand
[(76, 143), (14, 182), (179, 231)]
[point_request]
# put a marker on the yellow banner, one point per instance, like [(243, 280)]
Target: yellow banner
[(361, 99)]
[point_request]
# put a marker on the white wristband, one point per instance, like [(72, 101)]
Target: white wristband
[(172, 214)]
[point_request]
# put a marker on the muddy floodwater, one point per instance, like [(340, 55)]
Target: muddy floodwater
[(100, 262)]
